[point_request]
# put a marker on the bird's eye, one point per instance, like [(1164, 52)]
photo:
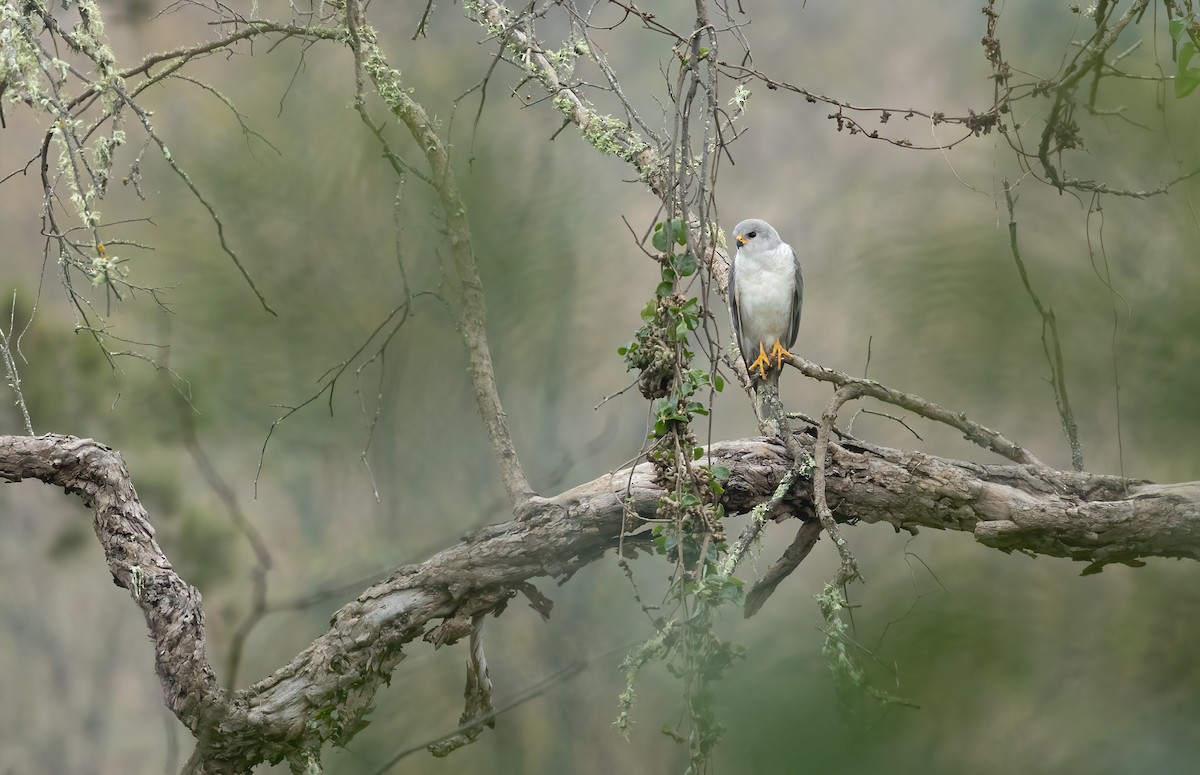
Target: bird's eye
[(752, 234)]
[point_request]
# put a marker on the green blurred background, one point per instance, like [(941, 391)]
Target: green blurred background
[(1018, 664)]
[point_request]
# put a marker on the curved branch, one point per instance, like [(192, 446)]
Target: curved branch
[(171, 606), (325, 692)]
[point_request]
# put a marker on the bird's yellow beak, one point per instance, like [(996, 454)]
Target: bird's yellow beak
[(741, 239)]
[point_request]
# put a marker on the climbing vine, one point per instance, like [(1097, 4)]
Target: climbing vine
[(689, 530)]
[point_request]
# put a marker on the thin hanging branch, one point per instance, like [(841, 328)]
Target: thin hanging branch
[(1053, 347), (9, 352)]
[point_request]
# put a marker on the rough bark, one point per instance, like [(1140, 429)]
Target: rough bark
[(324, 693)]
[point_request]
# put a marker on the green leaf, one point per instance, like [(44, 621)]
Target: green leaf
[(721, 473), (697, 453), (1186, 79), (685, 264), (1176, 28), (718, 382), (664, 289), (679, 228), (660, 238)]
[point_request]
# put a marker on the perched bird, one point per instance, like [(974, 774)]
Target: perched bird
[(765, 291)]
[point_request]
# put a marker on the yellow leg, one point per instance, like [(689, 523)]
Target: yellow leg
[(762, 362), (778, 353)]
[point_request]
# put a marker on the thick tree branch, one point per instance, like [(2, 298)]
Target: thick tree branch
[(325, 692), (97, 474)]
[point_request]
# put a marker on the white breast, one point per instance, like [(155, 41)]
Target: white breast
[(765, 285)]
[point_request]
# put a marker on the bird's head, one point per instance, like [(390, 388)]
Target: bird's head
[(755, 236)]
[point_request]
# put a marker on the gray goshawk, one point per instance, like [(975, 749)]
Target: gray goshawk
[(765, 292)]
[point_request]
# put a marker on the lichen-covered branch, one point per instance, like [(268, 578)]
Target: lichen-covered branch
[(605, 133), (325, 692)]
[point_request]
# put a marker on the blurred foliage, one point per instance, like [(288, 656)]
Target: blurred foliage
[(1016, 663)]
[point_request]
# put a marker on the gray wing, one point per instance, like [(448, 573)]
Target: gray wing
[(735, 315), (797, 300)]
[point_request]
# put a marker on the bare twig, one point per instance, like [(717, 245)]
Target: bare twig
[(1051, 348), (8, 352), (971, 430), (262, 553), (848, 571)]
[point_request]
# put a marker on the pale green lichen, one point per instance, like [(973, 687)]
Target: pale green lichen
[(83, 200), (19, 59), (109, 90), (61, 67), (563, 104), (741, 95), (605, 133), (386, 78), (608, 135), (718, 235), (135, 581), (106, 268), (89, 34), (102, 154), (480, 14), (655, 648), (563, 59)]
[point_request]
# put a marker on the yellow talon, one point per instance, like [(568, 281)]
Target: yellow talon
[(778, 353), (761, 362)]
